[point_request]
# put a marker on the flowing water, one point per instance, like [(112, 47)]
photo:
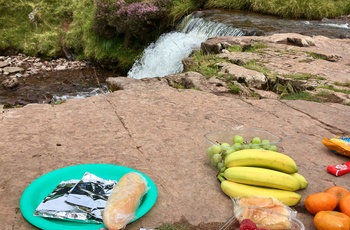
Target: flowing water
[(165, 55)]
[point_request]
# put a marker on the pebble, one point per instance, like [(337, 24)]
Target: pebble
[(28, 66)]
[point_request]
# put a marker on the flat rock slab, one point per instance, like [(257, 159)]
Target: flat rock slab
[(159, 131)]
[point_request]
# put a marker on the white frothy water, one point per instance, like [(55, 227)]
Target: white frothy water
[(164, 57)]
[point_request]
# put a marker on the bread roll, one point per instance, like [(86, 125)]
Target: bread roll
[(124, 200)]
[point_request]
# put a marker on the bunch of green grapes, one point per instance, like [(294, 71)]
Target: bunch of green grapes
[(218, 152)]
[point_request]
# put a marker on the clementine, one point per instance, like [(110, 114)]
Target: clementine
[(344, 204), (321, 201), (331, 220), (338, 191)]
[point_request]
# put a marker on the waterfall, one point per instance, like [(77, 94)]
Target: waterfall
[(164, 57)]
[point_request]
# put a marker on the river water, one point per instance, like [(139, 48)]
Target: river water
[(164, 56)]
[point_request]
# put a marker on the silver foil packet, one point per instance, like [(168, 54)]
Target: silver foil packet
[(77, 200)]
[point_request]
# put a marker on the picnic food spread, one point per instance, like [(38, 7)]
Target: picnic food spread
[(252, 169), (262, 182)]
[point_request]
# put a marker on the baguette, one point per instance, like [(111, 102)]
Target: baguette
[(124, 200)]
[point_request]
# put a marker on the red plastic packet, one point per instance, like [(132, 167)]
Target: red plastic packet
[(339, 170)]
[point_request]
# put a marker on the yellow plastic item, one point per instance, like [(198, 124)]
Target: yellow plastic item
[(338, 145)]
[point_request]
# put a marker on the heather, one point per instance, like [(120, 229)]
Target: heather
[(113, 33)]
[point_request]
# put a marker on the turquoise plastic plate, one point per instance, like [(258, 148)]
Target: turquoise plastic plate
[(41, 187)]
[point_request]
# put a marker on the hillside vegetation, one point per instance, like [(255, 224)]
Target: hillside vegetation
[(115, 32)]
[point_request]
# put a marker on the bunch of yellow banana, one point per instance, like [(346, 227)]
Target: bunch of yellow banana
[(260, 172)]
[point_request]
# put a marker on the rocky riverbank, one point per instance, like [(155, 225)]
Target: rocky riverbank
[(292, 63), (318, 65), (27, 79)]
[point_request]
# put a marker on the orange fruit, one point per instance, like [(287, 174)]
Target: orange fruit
[(344, 204), (338, 191), (321, 201), (331, 220)]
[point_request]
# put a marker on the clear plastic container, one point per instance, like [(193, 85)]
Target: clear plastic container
[(233, 223), (219, 137)]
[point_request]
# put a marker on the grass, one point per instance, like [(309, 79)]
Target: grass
[(257, 66), (311, 9), (254, 48), (317, 56), (305, 96), (206, 64), (303, 76), (69, 23), (345, 84), (175, 227), (333, 88)]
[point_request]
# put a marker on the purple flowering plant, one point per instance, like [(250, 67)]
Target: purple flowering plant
[(135, 19)]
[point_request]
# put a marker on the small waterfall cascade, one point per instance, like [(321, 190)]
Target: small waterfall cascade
[(164, 57)]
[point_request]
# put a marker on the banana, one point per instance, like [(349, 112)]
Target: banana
[(262, 177), (302, 180), (234, 189), (262, 158)]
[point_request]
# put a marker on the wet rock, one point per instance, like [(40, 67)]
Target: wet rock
[(10, 82), (13, 69), (3, 64), (248, 77)]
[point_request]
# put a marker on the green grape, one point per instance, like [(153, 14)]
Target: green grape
[(220, 165), (230, 150), (254, 146), (216, 158), (246, 146), (225, 145), (237, 146), (256, 141), (238, 139), (273, 148), (265, 144), (214, 149)]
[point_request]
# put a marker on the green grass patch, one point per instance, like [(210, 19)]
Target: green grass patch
[(253, 48), (344, 84), (257, 66), (235, 48), (302, 76), (335, 89), (301, 96), (317, 56), (175, 227), (206, 64), (233, 88), (311, 9)]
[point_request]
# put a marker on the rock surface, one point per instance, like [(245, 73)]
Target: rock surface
[(157, 129)]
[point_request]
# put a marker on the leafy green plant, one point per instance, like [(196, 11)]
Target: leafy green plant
[(233, 88)]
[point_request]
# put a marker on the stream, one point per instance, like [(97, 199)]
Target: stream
[(164, 56)]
